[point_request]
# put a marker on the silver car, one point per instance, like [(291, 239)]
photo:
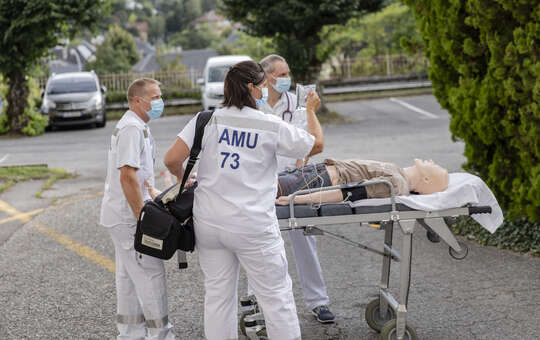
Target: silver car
[(74, 98)]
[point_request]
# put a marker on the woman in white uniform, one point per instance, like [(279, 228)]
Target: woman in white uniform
[(234, 212)]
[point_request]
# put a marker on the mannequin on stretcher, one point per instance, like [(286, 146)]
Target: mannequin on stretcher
[(423, 177)]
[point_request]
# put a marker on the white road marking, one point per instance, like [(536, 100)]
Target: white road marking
[(4, 158), (414, 108)]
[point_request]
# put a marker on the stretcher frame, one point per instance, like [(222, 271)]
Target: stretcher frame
[(386, 314)]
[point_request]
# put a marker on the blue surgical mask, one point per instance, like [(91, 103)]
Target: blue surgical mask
[(261, 101), (157, 109), (282, 84)]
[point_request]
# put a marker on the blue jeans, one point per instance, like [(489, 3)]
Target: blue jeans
[(310, 176)]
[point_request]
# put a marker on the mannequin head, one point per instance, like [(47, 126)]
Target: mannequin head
[(428, 177)]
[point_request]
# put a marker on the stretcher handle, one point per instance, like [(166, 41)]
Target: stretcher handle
[(480, 210), (341, 186)]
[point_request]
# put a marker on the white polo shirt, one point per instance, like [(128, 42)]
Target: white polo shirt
[(132, 144), (237, 167), (286, 104)]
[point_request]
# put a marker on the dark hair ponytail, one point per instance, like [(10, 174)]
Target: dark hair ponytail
[(236, 90)]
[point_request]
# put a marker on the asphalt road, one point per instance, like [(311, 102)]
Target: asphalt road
[(56, 267)]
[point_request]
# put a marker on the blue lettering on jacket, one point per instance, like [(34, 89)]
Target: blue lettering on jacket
[(254, 142), (239, 138), (224, 137)]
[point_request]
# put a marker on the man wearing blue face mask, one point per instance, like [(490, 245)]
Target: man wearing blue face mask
[(141, 290), (283, 104)]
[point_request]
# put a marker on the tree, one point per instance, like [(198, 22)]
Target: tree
[(255, 47), (195, 37), (296, 27), (156, 29), (208, 5), (117, 53), (29, 29), (389, 31), (179, 14), (485, 70)]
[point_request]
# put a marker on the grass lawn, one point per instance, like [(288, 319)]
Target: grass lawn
[(11, 175)]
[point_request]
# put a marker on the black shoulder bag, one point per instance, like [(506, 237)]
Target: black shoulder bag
[(166, 223)]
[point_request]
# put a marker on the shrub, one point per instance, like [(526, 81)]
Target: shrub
[(34, 122), (485, 70), (520, 234)]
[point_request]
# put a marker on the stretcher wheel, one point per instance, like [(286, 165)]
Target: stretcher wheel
[(388, 332), (459, 255), (373, 317), (432, 236)]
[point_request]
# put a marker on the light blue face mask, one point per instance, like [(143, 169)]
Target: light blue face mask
[(157, 108), (282, 84), (261, 101)]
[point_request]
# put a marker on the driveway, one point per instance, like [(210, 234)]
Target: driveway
[(56, 267)]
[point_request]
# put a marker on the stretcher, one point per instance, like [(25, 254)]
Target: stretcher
[(388, 314)]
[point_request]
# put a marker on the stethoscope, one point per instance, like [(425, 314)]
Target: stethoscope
[(288, 111)]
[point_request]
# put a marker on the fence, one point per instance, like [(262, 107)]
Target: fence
[(386, 65), (335, 69), (185, 80)]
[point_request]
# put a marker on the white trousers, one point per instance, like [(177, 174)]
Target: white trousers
[(308, 268), (141, 291), (262, 255)]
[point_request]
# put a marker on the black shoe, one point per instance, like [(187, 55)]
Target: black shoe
[(323, 314)]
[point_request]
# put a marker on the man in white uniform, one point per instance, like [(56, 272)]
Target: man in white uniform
[(141, 290), (283, 104)]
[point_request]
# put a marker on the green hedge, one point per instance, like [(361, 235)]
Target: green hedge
[(520, 235), (485, 70)]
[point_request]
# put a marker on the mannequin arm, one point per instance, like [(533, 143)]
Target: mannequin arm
[(302, 162), (330, 196), (151, 190)]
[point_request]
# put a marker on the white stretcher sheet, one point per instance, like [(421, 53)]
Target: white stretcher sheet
[(463, 189)]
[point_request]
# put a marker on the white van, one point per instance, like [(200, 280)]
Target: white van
[(213, 77)]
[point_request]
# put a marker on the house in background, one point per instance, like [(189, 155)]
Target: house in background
[(193, 61), (70, 58), (73, 58)]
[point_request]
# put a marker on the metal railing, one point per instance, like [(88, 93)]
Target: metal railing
[(340, 71), (385, 65), (120, 81)]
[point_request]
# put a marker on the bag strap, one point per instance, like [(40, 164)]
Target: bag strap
[(202, 120)]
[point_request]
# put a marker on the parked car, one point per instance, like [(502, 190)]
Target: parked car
[(74, 98), (213, 77)]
